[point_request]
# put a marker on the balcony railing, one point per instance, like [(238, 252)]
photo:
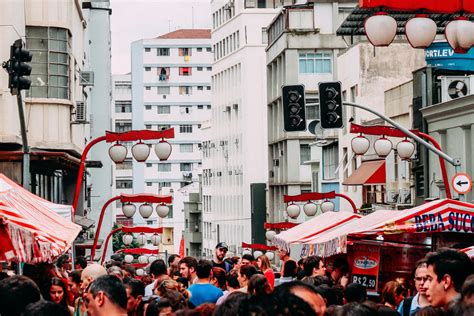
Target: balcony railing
[(291, 18)]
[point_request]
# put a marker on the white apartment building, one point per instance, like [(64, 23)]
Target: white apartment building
[(171, 87)]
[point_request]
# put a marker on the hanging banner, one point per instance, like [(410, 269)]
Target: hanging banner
[(365, 265)]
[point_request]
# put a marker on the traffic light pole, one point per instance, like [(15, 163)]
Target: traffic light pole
[(26, 147)]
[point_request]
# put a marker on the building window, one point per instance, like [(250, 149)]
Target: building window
[(123, 87), (162, 52), (121, 127), (147, 68), (50, 65), (186, 166), (209, 68), (330, 161), (208, 49), (147, 107), (185, 71), (124, 184), (164, 185), (147, 49), (164, 109), (123, 106), (163, 90), (185, 52), (305, 153), (185, 90), (208, 106), (186, 148), (200, 88), (185, 128), (311, 63), (200, 107), (208, 88), (164, 167), (199, 68), (147, 88), (148, 126), (149, 165), (199, 49), (163, 127), (125, 165)]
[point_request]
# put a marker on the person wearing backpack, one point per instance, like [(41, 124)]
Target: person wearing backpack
[(412, 304)]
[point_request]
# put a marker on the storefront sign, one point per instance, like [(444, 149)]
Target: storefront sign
[(441, 56), (452, 221), (365, 265)]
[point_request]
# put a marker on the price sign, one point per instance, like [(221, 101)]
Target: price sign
[(365, 265), (368, 281)]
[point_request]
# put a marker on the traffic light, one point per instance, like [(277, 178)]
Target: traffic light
[(294, 108), (17, 67), (330, 104)]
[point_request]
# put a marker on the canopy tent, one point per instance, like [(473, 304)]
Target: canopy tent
[(317, 225), (437, 216), (31, 228), (469, 251)]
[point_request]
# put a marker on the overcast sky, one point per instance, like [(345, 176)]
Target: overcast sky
[(132, 20)]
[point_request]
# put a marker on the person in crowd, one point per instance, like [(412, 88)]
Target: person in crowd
[(284, 256), (206, 309), (232, 285), (314, 266), (447, 271), (355, 293), (467, 292), (135, 291), (265, 266), (300, 274), (410, 305), (247, 259), (169, 285), (187, 268), (80, 263), (354, 309), (202, 291), (58, 293), (116, 271), (329, 295), (258, 285), (339, 272), (304, 291), (289, 272), (74, 283), (430, 311), (173, 264), (45, 308), (229, 306), (159, 272), (129, 271), (106, 296), (219, 256), (88, 275), (159, 307), (393, 294), (245, 273), (219, 278), (15, 293), (63, 265)]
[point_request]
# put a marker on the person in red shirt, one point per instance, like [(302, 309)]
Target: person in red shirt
[(264, 265)]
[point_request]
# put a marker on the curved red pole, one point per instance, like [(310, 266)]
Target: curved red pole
[(354, 208), (99, 225), (107, 243)]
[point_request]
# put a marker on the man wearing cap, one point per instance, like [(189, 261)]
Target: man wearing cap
[(218, 261)]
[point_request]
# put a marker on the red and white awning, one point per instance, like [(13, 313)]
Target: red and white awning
[(469, 251), (31, 228)]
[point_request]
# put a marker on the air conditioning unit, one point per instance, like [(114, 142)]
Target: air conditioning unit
[(453, 87), (86, 78), (80, 111)]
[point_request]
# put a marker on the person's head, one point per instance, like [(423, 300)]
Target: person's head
[(64, 262), (218, 278), (313, 266), (116, 271), (129, 271), (283, 254), (447, 270), (74, 282), (80, 263), (245, 273), (221, 251), (173, 260), (90, 273), (45, 308), (304, 291), (355, 309), (247, 259), (15, 293), (232, 280), (340, 266), (263, 263), (57, 291), (230, 306), (135, 291), (159, 307), (467, 292), (158, 268), (187, 267), (431, 311), (203, 269), (258, 285), (393, 293), (355, 293), (106, 295), (290, 269), (420, 276)]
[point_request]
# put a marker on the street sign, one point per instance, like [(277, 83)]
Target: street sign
[(462, 183)]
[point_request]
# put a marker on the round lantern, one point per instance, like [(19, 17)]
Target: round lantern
[(270, 255), (152, 258), (146, 210), (127, 239), (327, 206), (293, 210), (162, 210), (310, 209), (383, 147), (129, 209), (420, 31), (141, 239), (269, 234), (460, 34), (360, 144), (140, 272), (118, 153), (143, 259), (380, 29), (163, 150), (246, 252), (405, 149), (140, 151), (155, 239), (257, 254), (128, 258)]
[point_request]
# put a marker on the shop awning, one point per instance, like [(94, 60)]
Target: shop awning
[(32, 229), (469, 251), (313, 227), (368, 173)]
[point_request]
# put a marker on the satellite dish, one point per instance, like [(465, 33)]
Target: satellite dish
[(457, 88), (314, 127)]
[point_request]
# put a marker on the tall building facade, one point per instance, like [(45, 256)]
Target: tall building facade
[(171, 87)]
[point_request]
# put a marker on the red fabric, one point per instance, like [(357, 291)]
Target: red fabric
[(282, 225), (446, 6), (181, 247), (139, 251), (270, 277), (136, 135), (142, 229), (258, 246), (145, 197), (312, 196)]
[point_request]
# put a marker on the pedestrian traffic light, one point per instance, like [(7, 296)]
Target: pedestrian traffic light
[(294, 108), (17, 67), (330, 104)]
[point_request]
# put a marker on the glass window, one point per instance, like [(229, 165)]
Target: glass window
[(209, 68), (124, 106), (185, 90), (125, 165), (208, 49), (163, 90), (147, 49), (164, 109), (124, 184), (185, 128), (311, 63), (330, 161), (121, 127), (186, 166), (164, 185), (208, 88), (200, 88), (147, 68), (186, 148), (162, 52), (164, 167), (147, 88), (208, 106), (147, 107), (305, 153), (200, 107), (199, 49), (123, 87), (199, 68), (148, 126), (185, 71), (185, 51), (162, 127)]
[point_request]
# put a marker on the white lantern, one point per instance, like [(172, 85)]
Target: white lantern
[(405, 149), (360, 144), (143, 259), (118, 153), (162, 210), (128, 258), (152, 258), (127, 239), (129, 209), (146, 210), (380, 29), (140, 151), (155, 239), (141, 239), (383, 147), (293, 210), (420, 31), (246, 252), (460, 34), (163, 150), (327, 206), (269, 234), (270, 255), (257, 253), (310, 209), (140, 272)]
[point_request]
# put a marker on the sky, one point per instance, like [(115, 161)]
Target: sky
[(133, 20)]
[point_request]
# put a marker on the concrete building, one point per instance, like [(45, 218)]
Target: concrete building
[(171, 87)]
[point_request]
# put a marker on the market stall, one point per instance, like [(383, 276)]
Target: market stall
[(32, 229)]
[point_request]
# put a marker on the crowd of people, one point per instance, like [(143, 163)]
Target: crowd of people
[(444, 285)]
